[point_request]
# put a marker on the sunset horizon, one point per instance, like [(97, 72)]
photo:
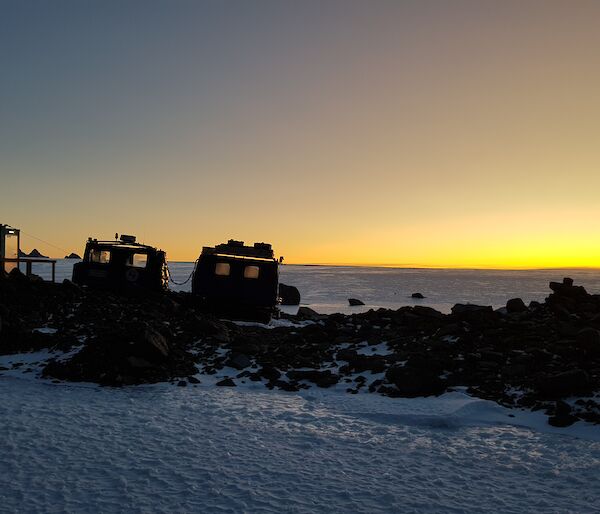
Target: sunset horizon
[(445, 134)]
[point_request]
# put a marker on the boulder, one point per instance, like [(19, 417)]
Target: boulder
[(427, 312), (478, 314), (149, 345), (360, 363), (239, 361), (411, 382), (562, 415), (588, 339), (567, 289), (320, 378), (306, 313), (289, 295), (269, 372), (226, 382), (563, 384), (515, 305), (354, 302), (417, 295)]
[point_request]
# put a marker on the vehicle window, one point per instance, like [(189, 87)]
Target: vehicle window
[(137, 260), (251, 272), (222, 269), (100, 256)]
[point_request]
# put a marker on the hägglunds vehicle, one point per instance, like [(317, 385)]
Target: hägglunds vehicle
[(238, 281), (122, 265)]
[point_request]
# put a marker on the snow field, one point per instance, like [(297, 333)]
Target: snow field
[(162, 448)]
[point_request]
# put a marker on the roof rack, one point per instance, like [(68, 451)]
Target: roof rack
[(238, 249)]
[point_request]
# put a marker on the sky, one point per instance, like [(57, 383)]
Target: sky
[(415, 133)]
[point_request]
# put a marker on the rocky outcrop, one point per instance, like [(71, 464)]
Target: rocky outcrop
[(545, 356)]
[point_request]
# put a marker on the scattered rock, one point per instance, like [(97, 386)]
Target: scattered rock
[(306, 313), (320, 378), (412, 382), (239, 361), (226, 382), (563, 384), (516, 305)]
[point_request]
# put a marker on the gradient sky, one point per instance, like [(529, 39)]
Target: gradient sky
[(450, 133)]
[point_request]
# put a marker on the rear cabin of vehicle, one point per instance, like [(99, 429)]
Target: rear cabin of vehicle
[(238, 281), (122, 265)]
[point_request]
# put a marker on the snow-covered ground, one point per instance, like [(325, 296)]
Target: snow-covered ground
[(201, 448)]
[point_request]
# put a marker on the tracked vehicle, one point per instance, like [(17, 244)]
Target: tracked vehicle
[(238, 281), (122, 265)]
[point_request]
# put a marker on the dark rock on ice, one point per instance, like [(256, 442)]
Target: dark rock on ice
[(411, 382), (239, 361), (563, 384), (289, 295), (226, 382), (354, 302), (321, 378)]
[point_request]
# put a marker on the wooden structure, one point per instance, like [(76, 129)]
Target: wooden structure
[(10, 244)]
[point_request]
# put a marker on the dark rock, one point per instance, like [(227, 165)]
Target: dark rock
[(562, 415), (150, 345), (239, 361), (193, 380), (564, 384), (346, 354), (182, 383), (477, 314), (588, 339), (289, 295), (411, 382), (360, 363), (226, 382), (269, 372), (417, 295), (516, 305), (428, 312), (306, 313), (286, 386), (72, 256), (567, 289), (321, 378), (354, 302)]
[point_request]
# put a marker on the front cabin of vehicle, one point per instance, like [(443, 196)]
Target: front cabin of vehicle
[(238, 281), (121, 265)]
